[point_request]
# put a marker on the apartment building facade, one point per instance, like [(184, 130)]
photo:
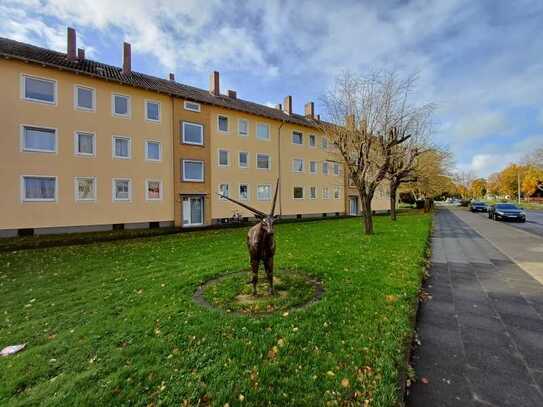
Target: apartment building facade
[(89, 146)]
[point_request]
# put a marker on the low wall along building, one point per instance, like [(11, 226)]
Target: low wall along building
[(89, 146)]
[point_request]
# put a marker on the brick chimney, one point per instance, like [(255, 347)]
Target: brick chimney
[(127, 58), (319, 117), (288, 105), (172, 76), (309, 110), (80, 54), (232, 94), (279, 106), (71, 44), (214, 86)]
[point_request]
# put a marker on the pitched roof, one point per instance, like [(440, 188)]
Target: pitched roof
[(46, 57)]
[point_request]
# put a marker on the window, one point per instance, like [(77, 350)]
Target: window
[(262, 131), (122, 189), (39, 89), (224, 158), (85, 98), (121, 105), (193, 170), (192, 106), (325, 193), (312, 192), (298, 193), (243, 127), (224, 189), (263, 162), (222, 123), (263, 192), (324, 143), (85, 144), (193, 133), (337, 193), (313, 167), (325, 168), (336, 169), (153, 190), (39, 139), (153, 150), (243, 159), (122, 147), (37, 188), (152, 111), (297, 138), (298, 165), (85, 188), (312, 140), (243, 192)]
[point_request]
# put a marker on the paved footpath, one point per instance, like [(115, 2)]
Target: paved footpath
[(482, 330)]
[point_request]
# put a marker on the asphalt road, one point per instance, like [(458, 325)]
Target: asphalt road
[(481, 332)]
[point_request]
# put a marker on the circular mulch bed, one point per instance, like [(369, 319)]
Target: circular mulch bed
[(232, 293)]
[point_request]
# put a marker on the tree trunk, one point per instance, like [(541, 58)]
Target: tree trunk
[(366, 213), (393, 193)]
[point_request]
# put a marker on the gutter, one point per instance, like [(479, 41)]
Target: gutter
[(283, 121)]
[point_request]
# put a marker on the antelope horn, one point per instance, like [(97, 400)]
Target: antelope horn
[(275, 198), (255, 211)]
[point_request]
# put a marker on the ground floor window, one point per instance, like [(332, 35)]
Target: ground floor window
[(224, 189), (153, 190), (312, 192), (263, 192), (243, 192), (122, 189), (38, 188), (298, 193), (85, 188)]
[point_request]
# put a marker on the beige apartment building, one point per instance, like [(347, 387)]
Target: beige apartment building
[(89, 146)]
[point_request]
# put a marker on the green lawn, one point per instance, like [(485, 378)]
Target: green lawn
[(114, 323)]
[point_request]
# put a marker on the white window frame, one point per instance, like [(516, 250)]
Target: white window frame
[(325, 193), (159, 151), (248, 131), (264, 185), (269, 131), (128, 115), (294, 169), (145, 103), (220, 192), (227, 131), (292, 138), (269, 163), (327, 168), (113, 138), (76, 189), (113, 190), (28, 99), (23, 192), (147, 190), (183, 141), (303, 193), (338, 190), (193, 179), (248, 192), (76, 98), (76, 144), (309, 140), (323, 142), (223, 150), (248, 159), (192, 110), (337, 169), (37, 150), (316, 167), (316, 192)]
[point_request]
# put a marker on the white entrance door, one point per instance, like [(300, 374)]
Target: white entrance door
[(353, 205), (193, 211)]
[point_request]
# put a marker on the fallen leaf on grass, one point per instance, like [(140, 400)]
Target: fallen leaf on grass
[(345, 382)]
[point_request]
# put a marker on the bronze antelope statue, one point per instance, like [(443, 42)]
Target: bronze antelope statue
[(260, 241)]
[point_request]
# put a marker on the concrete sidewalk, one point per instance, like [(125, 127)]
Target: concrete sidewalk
[(482, 330), (525, 248)]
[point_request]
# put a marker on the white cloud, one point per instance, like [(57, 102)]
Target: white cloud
[(480, 125)]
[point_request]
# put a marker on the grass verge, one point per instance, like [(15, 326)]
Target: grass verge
[(114, 323)]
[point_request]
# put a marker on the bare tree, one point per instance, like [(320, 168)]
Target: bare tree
[(535, 158), (366, 121), (403, 160)]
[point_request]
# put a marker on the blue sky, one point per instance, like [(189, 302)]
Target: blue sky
[(479, 61)]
